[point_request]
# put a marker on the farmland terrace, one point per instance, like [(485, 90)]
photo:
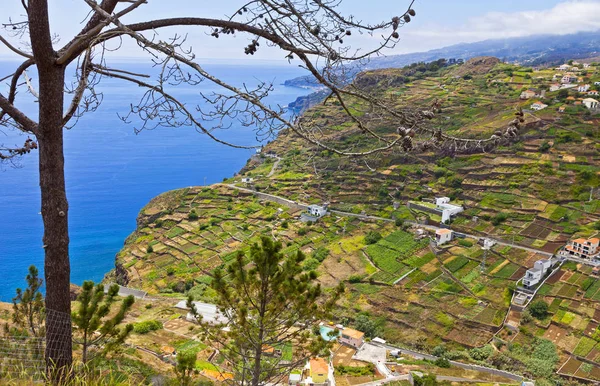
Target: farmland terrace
[(537, 192)]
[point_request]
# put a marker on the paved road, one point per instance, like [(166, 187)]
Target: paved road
[(434, 228), (483, 369), (275, 165)]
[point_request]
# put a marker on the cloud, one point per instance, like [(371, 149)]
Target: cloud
[(565, 18)]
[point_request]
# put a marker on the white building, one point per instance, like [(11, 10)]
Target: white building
[(442, 236), (317, 211), (247, 180), (569, 78), (208, 312), (538, 106), (528, 94), (448, 210), (534, 275), (351, 337), (583, 87), (591, 103), (564, 67), (582, 248), (554, 87)]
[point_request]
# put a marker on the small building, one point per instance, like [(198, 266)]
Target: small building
[(583, 88), (318, 372), (554, 87), (582, 248), (596, 83), (569, 78), (294, 379), (537, 105), (564, 67), (168, 351), (351, 337), (442, 236), (209, 312), (528, 94), (534, 275), (448, 210), (593, 93), (591, 103), (247, 180), (562, 109), (317, 211)]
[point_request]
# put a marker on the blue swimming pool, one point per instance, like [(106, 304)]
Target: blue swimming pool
[(326, 333)]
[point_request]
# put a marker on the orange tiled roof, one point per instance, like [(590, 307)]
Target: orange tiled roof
[(580, 240), (214, 374), (594, 240), (319, 366), (443, 231), (354, 333)]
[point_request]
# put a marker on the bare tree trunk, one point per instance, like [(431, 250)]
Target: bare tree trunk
[(55, 215)]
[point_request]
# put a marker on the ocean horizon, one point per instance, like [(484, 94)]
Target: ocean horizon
[(112, 173)]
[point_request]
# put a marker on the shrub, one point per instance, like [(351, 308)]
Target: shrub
[(285, 225), (320, 254), (372, 237), (193, 216), (443, 363), (465, 243), (499, 218), (355, 278), (399, 222), (539, 309), (147, 326), (302, 231), (149, 249)]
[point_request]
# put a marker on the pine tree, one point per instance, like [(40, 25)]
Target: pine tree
[(28, 305), (93, 327), (268, 302)]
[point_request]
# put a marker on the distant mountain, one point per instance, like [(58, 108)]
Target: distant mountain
[(530, 50)]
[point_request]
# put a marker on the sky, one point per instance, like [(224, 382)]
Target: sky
[(438, 23)]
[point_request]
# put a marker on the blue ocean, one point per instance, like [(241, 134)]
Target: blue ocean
[(112, 172)]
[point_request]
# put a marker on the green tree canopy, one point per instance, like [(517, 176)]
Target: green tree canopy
[(267, 301)]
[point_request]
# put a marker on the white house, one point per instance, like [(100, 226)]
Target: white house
[(317, 211), (583, 87), (528, 94), (569, 78), (448, 210), (247, 180), (596, 83), (564, 67), (209, 312), (351, 337), (534, 275), (294, 379), (442, 236), (582, 248), (593, 93), (586, 65), (591, 103), (538, 106), (554, 87)]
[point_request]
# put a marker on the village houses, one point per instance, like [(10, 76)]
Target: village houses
[(443, 236), (537, 105), (569, 78), (582, 248), (591, 103), (528, 94), (351, 337), (534, 275), (583, 88)]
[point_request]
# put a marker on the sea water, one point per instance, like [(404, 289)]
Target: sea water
[(112, 173)]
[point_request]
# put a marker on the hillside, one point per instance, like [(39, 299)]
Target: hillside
[(535, 194)]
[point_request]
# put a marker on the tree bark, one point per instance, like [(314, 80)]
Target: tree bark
[(55, 216)]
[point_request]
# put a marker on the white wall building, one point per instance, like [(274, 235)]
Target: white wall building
[(351, 337), (448, 210), (538, 106), (591, 103), (583, 87), (317, 211), (442, 236), (209, 312), (534, 275), (247, 180)]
